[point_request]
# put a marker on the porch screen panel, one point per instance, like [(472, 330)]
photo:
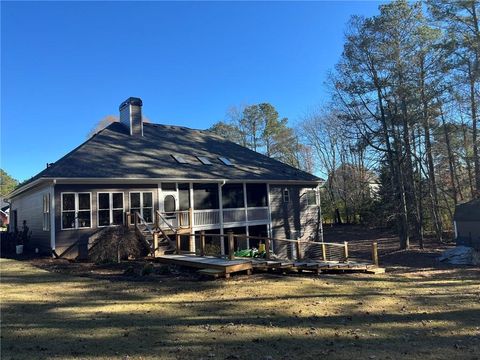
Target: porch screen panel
[(232, 196), (205, 196), (256, 195)]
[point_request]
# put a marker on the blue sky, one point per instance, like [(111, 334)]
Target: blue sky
[(66, 65)]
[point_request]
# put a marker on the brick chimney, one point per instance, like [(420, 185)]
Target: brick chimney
[(131, 115)]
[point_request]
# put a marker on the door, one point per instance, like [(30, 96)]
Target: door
[(169, 204)]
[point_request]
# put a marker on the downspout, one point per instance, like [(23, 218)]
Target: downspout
[(52, 219)]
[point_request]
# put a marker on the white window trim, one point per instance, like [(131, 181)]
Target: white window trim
[(46, 212), (75, 211), (141, 203), (316, 197), (287, 190), (110, 208)]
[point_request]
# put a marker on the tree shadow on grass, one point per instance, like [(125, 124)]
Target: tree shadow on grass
[(70, 317)]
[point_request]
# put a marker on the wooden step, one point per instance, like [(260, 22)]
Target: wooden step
[(215, 273)]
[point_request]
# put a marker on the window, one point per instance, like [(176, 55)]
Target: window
[(76, 210), (225, 161), (142, 202), (180, 159), (46, 212), (286, 195), (311, 197), (204, 160), (110, 209)]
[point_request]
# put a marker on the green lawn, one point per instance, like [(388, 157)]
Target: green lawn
[(418, 314)]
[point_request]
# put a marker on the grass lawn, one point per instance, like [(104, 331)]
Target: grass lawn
[(414, 314)]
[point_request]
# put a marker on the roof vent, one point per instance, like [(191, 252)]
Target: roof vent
[(131, 115)]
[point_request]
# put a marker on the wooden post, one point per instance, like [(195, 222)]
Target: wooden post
[(375, 253), (231, 249), (345, 250), (155, 223), (190, 217), (299, 254), (177, 243), (202, 243), (135, 220), (267, 248), (155, 244), (324, 252)]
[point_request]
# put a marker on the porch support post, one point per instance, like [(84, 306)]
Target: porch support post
[(192, 224), (220, 206), (246, 213), (269, 226)]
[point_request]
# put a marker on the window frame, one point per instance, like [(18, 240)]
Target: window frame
[(76, 227), (179, 159), (141, 203), (204, 160), (226, 161), (110, 208), (286, 191), (315, 193), (46, 212)]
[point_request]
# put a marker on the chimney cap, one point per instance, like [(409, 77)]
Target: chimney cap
[(131, 101)]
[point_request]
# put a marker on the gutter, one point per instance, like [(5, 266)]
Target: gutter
[(154, 180)]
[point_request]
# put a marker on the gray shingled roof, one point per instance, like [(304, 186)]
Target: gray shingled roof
[(112, 153)]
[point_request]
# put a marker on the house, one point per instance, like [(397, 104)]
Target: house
[(187, 178), (4, 212), (466, 221)]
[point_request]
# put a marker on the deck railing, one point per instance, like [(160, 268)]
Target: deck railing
[(257, 213), (234, 215), (206, 217), (279, 249)]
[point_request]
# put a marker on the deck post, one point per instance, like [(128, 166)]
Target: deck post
[(375, 253), (231, 246), (345, 250), (202, 243), (299, 254), (190, 217), (220, 208), (324, 251), (267, 248), (155, 244), (177, 243)]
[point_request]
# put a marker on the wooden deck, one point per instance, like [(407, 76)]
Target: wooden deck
[(224, 267), (213, 266)]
